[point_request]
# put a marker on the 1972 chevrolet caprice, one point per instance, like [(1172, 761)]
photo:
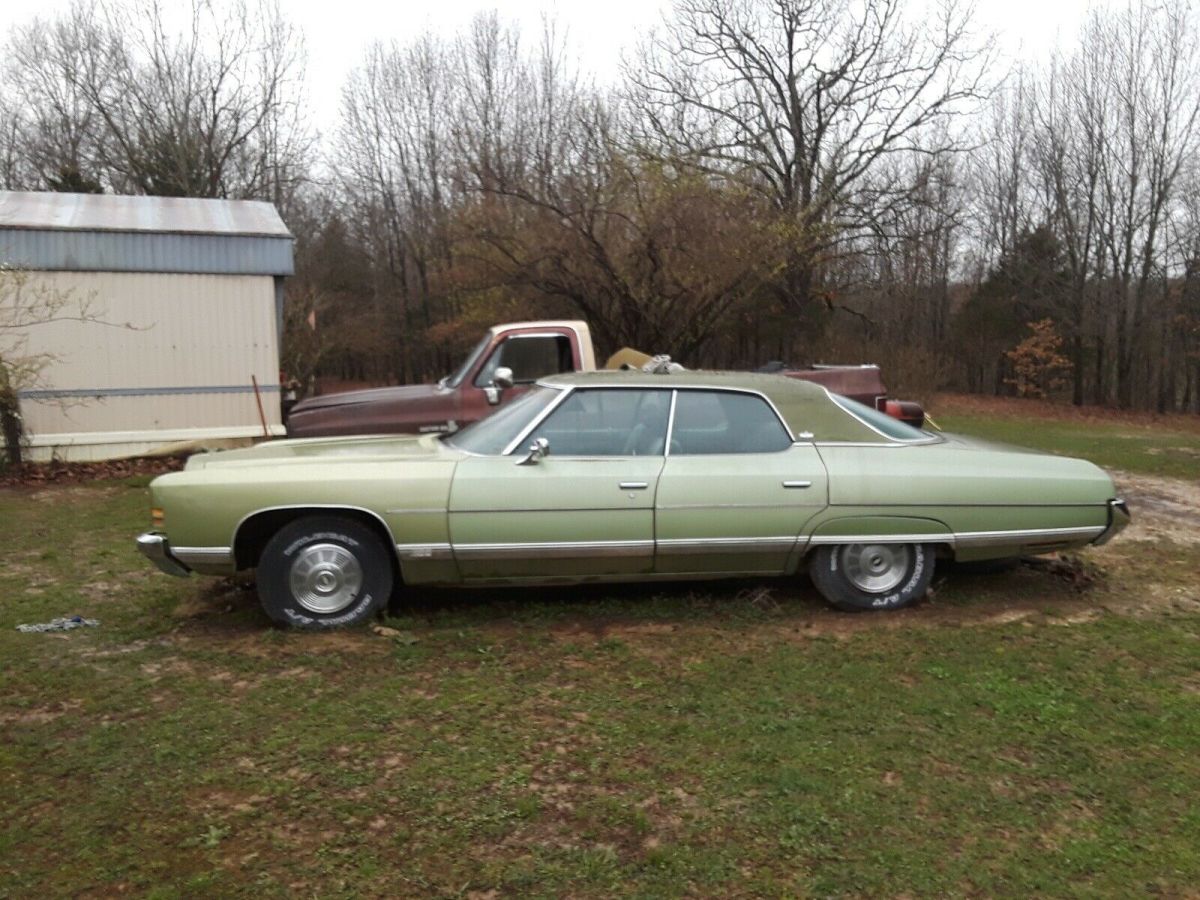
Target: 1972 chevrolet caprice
[(613, 476)]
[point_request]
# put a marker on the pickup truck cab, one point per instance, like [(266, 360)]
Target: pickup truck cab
[(529, 350), (505, 363)]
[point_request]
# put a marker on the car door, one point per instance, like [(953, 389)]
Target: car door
[(585, 509), (735, 490)]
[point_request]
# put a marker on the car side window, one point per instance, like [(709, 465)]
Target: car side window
[(608, 422), (724, 422), (530, 358)]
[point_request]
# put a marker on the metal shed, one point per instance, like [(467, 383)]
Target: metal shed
[(186, 303)]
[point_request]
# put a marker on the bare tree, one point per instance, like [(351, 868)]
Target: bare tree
[(57, 131), (800, 100), (124, 97)]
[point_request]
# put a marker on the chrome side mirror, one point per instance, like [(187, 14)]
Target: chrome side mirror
[(502, 380), (538, 449)]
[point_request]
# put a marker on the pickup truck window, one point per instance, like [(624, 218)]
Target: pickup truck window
[(608, 422), (530, 356), (489, 436), (454, 379)]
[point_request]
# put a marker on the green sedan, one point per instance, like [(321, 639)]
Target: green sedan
[(622, 476)]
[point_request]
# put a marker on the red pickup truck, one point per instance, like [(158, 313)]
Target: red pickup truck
[(504, 363)]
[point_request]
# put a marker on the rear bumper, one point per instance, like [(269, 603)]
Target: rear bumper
[(1118, 518), (156, 549)]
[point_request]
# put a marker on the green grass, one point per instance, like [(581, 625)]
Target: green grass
[(1116, 445), (654, 741)]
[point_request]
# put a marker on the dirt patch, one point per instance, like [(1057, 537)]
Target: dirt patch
[(40, 715), (1161, 508)]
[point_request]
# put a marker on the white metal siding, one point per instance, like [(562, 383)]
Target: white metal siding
[(176, 356)]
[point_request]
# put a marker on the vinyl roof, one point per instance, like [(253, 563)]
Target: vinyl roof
[(804, 406), (41, 210)]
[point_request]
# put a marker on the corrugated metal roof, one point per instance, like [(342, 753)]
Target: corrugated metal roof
[(163, 215), (97, 251), (102, 233)]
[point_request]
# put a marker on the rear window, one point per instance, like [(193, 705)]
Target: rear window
[(883, 423)]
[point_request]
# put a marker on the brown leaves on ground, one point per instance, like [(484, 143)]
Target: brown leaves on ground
[(1014, 407), (58, 472)]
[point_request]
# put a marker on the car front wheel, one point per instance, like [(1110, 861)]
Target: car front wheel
[(324, 572), (857, 577)]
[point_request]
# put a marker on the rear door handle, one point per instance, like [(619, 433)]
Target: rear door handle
[(797, 484), (634, 485)]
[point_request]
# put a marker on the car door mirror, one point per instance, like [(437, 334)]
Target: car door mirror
[(502, 379), (538, 449)]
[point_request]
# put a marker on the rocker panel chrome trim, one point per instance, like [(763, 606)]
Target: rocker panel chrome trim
[(687, 546), (555, 550)]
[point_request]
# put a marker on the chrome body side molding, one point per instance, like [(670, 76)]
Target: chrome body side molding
[(1023, 537), (1031, 536), (206, 560), (424, 551)]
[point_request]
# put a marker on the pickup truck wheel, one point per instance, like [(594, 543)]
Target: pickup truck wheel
[(857, 577), (323, 572)]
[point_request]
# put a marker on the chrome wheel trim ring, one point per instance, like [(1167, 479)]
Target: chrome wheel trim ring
[(876, 568), (325, 578)]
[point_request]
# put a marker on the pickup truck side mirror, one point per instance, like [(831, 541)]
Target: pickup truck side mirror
[(537, 450), (502, 380)]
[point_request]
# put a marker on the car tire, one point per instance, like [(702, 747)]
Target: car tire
[(876, 577), (324, 572)]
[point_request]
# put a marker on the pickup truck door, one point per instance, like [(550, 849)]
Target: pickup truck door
[(530, 354), (735, 491), (586, 509)]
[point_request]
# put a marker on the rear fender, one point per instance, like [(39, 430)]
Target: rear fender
[(877, 530)]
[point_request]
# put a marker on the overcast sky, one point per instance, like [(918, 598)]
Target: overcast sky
[(598, 30)]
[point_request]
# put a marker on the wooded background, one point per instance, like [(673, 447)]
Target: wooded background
[(812, 181)]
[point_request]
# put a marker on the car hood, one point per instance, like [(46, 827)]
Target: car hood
[(405, 448), (405, 393)]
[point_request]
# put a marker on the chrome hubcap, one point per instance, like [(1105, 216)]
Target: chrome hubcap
[(875, 568), (325, 578)]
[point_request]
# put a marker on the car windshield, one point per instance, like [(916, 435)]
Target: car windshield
[(886, 425), (456, 377), (489, 436)]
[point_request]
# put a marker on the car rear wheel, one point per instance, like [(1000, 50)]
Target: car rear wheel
[(857, 577), (324, 572)]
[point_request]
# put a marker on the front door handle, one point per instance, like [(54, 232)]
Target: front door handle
[(797, 484), (634, 485)]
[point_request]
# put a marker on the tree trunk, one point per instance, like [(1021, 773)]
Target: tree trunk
[(10, 424)]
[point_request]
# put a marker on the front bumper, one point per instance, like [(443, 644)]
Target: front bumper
[(1118, 518), (156, 549)]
